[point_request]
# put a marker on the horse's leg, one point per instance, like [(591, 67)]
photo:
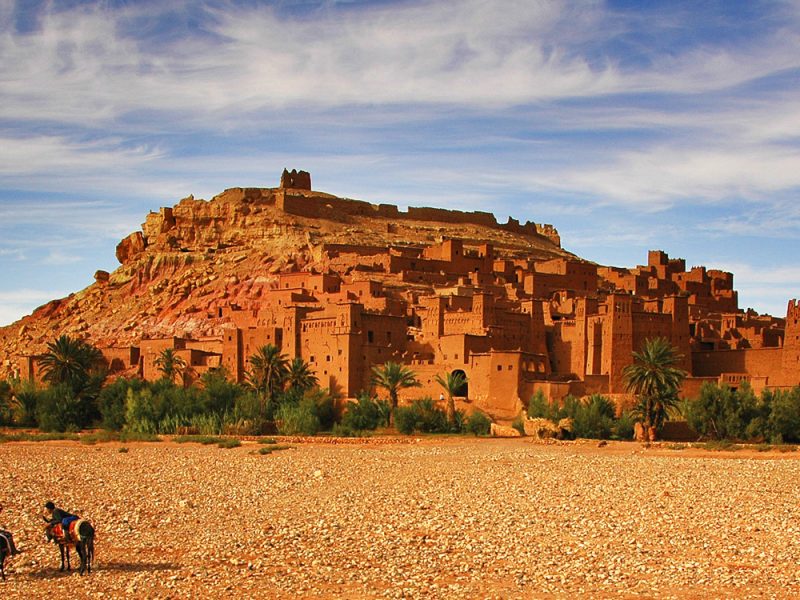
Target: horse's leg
[(61, 549), (80, 550), (89, 553), (66, 549)]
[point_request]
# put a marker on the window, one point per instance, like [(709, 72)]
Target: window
[(510, 367), (328, 358), (499, 367), (370, 337), (311, 359)]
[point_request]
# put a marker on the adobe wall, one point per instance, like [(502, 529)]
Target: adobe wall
[(760, 362), (121, 359)]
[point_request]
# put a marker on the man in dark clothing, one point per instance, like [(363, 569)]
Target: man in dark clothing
[(58, 515), (6, 538)]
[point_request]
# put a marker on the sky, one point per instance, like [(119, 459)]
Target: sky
[(628, 125)]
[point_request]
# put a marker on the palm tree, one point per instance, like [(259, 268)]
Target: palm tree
[(70, 361), (268, 371), (170, 364), (299, 375), (393, 377), (452, 384), (655, 379)]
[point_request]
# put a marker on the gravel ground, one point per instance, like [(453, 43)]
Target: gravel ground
[(438, 519)]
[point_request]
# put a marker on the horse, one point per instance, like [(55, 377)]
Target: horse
[(5, 551), (79, 535), (6, 545)]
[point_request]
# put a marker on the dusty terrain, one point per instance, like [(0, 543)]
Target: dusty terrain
[(435, 519)]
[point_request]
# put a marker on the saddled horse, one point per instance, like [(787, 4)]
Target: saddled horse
[(5, 551), (79, 535)]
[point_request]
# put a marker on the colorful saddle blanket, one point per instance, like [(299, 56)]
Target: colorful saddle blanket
[(72, 530)]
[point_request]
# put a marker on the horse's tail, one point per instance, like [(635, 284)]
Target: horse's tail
[(86, 533), (85, 530)]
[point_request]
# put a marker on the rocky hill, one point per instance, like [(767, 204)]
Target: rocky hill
[(190, 260)]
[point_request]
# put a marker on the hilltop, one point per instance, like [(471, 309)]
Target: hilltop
[(190, 260)]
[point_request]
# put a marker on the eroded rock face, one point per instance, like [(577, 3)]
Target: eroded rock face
[(130, 247)]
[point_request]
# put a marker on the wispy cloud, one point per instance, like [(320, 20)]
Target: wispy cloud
[(16, 303), (85, 64)]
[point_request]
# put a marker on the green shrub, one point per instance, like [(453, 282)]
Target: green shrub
[(365, 413), (422, 415), (342, 430), (405, 420), (59, 409), (323, 402), (38, 437), (229, 443), (719, 445), (206, 423), (140, 411), (430, 418), (247, 408), (623, 428), (478, 423), (26, 401), (111, 402), (273, 448), (299, 419), (784, 417), (6, 403), (593, 418), (539, 407), (197, 439), (519, 424)]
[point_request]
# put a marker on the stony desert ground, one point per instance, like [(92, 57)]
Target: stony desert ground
[(434, 518)]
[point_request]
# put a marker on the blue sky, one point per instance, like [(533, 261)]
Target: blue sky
[(628, 125)]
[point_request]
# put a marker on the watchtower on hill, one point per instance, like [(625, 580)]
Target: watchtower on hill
[(298, 180)]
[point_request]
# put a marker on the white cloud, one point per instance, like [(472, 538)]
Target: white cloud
[(656, 178), (12, 254), (18, 303), (83, 66)]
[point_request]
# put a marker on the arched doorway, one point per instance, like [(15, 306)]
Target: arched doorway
[(463, 390)]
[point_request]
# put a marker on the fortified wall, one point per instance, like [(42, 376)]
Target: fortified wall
[(295, 197)]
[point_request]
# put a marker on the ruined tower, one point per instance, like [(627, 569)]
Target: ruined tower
[(298, 180)]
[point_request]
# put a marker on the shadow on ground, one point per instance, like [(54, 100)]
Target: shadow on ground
[(121, 567)]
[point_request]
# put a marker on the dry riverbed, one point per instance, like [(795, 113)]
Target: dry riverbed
[(450, 518)]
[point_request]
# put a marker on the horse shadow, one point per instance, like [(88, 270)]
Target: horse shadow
[(119, 566)]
